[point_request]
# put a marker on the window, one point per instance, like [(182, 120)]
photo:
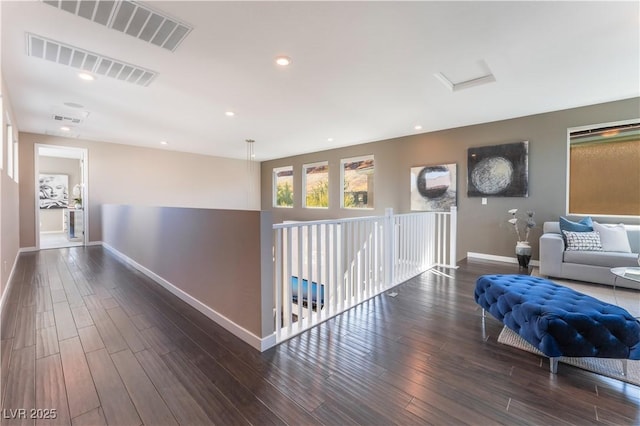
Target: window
[(357, 179), (283, 187), (10, 151), (1, 136), (16, 163), (316, 185), (604, 177)]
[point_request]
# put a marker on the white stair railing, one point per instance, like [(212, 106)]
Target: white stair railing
[(323, 268)]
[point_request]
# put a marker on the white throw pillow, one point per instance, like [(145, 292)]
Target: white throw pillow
[(613, 237)]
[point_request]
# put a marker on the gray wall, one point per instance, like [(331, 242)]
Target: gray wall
[(215, 256), (481, 228)]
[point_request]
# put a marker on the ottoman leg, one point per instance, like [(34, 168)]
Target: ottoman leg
[(624, 367), (553, 364)]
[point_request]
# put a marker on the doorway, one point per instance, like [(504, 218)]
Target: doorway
[(61, 196)]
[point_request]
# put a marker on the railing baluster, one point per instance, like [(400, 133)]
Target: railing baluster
[(300, 269), (278, 281), (286, 282), (319, 279)]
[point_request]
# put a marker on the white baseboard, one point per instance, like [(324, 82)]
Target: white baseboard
[(95, 243), (258, 343), (5, 293), (493, 257), (27, 249)]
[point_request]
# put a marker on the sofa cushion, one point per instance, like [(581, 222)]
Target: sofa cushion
[(613, 237), (605, 259), (582, 241), (585, 225)]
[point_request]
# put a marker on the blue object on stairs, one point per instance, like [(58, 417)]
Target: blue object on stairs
[(305, 292)]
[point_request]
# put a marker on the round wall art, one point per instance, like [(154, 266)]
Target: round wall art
[(498, 170), (433, 188), (492, 175)]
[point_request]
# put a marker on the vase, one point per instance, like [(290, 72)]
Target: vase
[(523, 252)]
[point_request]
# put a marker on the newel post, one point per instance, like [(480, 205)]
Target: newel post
[(453, 226), (389, 246)]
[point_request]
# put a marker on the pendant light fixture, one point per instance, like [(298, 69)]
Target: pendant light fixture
[(251, 171)]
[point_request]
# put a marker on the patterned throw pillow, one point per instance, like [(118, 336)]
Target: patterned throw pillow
[(583, 241)]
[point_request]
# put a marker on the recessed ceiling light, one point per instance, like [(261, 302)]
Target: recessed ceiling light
[(283, 61), (229, 113), (74, 105), (417, 127), (330, 140), (65, 128), (164, 143), (86, 76)]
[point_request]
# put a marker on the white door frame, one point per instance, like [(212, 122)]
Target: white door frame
[(84, 188)]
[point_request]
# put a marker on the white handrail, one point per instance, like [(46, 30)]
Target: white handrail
[(324, 267)]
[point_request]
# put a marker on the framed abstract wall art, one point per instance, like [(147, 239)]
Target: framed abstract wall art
[(433, 188), (498, 170), (54, 191)]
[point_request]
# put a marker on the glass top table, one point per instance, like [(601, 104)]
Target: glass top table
[(630, 273)]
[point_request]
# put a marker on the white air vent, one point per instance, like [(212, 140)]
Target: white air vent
[(64, 54), (63, 119), (131, 18)]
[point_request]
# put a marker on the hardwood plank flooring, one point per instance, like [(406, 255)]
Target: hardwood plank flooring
[(81, 390), (114, 398), (51, 392), (99, 342)]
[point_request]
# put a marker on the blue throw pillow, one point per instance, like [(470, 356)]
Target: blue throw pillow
[(585, 225)]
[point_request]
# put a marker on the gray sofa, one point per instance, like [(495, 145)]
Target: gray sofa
[(589, 266)]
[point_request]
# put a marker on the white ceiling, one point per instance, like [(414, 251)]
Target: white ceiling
[(361, 71)]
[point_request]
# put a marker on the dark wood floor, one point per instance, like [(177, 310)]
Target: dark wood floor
[(99, 343)]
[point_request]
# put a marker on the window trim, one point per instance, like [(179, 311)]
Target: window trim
[(10, 156), (571, 130), (2, 135), (304, 184), (274, 186), (343, 161)]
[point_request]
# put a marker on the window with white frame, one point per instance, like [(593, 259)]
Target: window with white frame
[(316, 184), (357, 182), (1, 135), (16, 163), (603, 172), (10, 157), (283, 187)]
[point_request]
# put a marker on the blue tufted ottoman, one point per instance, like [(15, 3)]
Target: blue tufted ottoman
[(557, 320)]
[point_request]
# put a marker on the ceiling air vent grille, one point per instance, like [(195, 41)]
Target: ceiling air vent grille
[(67, 120), (131, 18), (65, 54)]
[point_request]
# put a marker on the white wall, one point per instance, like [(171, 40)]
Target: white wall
[(9, 201), (125, 174)]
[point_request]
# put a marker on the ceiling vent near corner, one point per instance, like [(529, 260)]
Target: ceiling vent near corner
[(131, 18), (63, 119), (64, 54)]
